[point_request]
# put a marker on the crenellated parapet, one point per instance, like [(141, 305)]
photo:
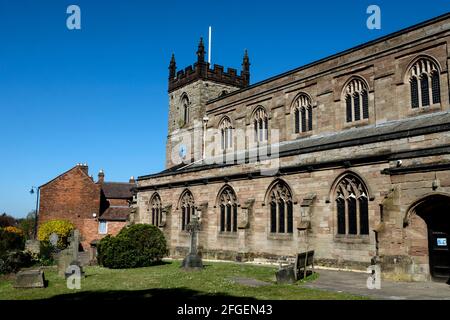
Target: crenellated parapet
[(201, 70)]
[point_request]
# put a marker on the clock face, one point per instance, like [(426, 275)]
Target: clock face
[(182, 151)]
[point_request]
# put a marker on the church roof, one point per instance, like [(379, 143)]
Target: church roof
[(427, 123)]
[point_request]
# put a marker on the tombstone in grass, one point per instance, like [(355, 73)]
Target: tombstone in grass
[(193, 261), (29, 279), (68, 258), (285, 273)]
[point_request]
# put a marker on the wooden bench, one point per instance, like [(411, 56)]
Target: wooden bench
[(302, 261)]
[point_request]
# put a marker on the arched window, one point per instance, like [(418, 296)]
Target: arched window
[(424, 83), (226, 133), (302, 114), (356, 100), (228, 210), (185, 108), (352, 206), (260, 125), (156, 208), (187, 205), (281, 209)]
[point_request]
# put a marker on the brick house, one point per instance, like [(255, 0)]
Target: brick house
[(95, 208)]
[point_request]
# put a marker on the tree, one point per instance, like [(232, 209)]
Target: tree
[(27, 225), (6, 220)]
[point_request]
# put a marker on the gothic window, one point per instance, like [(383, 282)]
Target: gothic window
[(260, 125), (226, 134), (185, 109), (424, 83), (352, 206), (228, 210), (435, 87), (356, 100), (156, 209), (187, 208), (302, 114), (281, 209)]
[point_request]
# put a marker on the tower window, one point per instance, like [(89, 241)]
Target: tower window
[(185, 109)]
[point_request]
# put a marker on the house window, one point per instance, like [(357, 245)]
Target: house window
[(260, 125), (302, 114), (156, 208), (356, 100), (281, 209), (103, 227), (226, 134), (352, 206), (424, 83), (228, 210), (187, 209)]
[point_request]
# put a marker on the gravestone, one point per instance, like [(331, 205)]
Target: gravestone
[(69, 256), (285, 275), (30, 279), (54, 239), (33, 246), (193, 261)]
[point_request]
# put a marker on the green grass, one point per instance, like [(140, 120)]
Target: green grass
[(168, 280)]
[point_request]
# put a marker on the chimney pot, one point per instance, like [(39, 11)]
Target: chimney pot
[(101, 176)]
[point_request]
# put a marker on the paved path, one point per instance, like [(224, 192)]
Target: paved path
[(355, 283)]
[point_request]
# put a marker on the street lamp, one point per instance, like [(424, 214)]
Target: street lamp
[(36, 210)]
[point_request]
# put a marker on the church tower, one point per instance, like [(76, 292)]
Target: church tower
[(189, 91)]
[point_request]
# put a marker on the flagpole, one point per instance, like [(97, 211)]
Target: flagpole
[(209, 46)]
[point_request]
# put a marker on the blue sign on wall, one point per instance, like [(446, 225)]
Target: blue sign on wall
[(442, 242)]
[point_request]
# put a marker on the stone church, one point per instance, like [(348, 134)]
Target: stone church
[(348, 156)]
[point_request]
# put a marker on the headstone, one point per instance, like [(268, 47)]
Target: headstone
[(193, 261), (33, 246), (30, 279), (285, 275), (54, 239), (69, 256)]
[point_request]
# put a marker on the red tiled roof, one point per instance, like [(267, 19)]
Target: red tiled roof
[(117, 190), (115, 213)]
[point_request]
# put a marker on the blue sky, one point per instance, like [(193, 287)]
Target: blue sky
[(99, 95)]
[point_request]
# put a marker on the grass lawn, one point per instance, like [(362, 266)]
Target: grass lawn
[(169, 281)]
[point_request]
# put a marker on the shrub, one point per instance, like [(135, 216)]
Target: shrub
[(6, 220), (15, 260), (14, 230), (10, 241), (46, 254), (139, 245), (61, 227)]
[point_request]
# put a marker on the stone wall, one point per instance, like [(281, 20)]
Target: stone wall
[(383, 66)]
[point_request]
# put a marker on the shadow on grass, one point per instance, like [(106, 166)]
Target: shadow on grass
[(163, 295)]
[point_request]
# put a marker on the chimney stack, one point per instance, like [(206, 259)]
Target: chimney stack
[(132, 180), (101, 176)]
